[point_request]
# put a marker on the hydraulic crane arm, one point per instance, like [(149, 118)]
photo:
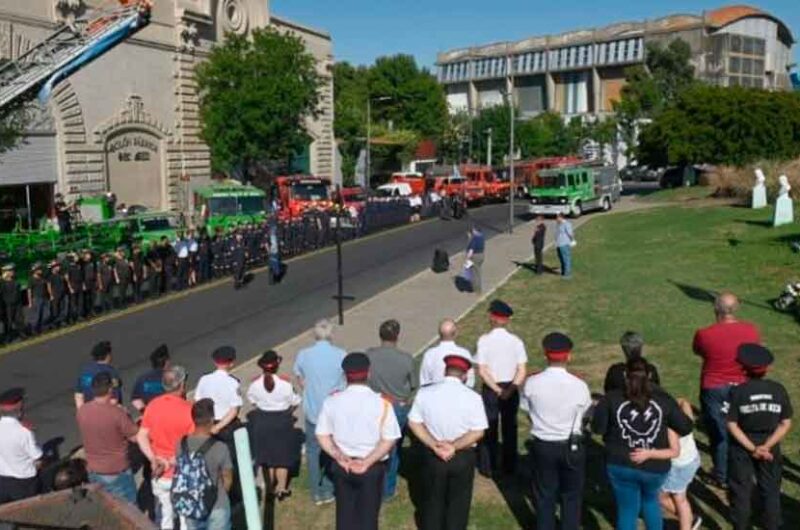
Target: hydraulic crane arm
[(69, 48)]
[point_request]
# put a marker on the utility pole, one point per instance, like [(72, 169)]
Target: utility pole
[(340, 296), (489, 147), (512, 187)]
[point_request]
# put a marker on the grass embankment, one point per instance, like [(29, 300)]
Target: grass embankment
[(653, 271)]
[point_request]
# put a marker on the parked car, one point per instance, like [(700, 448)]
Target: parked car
[(643, 173), (400, 190)]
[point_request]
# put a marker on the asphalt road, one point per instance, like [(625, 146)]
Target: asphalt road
[(252, 320)]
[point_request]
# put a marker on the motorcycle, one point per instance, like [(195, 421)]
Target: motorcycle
[(789, 297)]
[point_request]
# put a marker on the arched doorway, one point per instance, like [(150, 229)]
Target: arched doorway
[(134, 162)]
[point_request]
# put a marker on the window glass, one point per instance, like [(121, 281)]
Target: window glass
[(734, 65), (747, 45), (758, 82), (745, 81), (747, 66), (733, 80), (760, 47), (758, 67), (736, 43)]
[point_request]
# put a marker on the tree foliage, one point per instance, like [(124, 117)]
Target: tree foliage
[(717, 125), (256, 94)]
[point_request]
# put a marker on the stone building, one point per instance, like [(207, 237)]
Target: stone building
[(128, 122), (581, 72)]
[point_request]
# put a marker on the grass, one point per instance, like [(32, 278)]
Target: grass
[(653, 271)]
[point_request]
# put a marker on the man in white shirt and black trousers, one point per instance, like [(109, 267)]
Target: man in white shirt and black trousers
[(501, 360), (556, 402), (448, 419), (357, 428), (223, 389), (19, 452)]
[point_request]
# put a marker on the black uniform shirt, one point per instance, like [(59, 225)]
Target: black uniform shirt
[(58, 286), (137, 263), (758, 406), (11, 292), (107, 275), (38, 288), (75, 276), (538, 236), (89, 275), (123, 269)]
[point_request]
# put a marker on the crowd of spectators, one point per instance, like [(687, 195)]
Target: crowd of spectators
[(358, 407)]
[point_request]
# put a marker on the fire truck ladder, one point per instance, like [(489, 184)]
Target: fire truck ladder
[(66, 50)]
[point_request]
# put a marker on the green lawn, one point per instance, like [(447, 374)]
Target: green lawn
[(653, 271)]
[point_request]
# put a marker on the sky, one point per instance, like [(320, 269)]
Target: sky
[(363, 30)]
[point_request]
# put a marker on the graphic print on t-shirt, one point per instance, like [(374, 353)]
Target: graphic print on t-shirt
[(639, 428)]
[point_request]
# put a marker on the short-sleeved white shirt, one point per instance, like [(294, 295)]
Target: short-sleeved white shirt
[(358, 419), (556, 402), (432, 368), (501, 352), (282, 397), (448, 410), (18, 450), (222, 388)]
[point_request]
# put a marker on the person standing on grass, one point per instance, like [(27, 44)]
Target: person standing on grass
[(641, 427), (448, 418), (166, 420), (20, 455), (218, 463), (357, 429), (393, 375), (759, 418), (475, 250), (632, 345), (106, 430), (222, 389), (717, 345), (681, 474), (556, 402), (501, 359), (276, 446), (538, 240), (565, 240), (318, 371), (432, 368)]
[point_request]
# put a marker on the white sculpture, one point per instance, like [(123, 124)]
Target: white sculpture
[(759, 198), (784, 209)]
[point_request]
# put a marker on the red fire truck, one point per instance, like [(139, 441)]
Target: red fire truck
[(483, 184), (301, 193), (526, 173)]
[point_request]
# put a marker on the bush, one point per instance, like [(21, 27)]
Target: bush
[(730, 181)]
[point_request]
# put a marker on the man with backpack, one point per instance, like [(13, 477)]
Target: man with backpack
[(203, 475)]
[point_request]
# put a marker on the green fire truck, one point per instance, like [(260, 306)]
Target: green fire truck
[(574, 190), (229, 204)]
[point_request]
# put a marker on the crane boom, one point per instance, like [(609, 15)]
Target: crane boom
[(66, 50)]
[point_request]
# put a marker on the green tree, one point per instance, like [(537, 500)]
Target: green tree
[(350, 113), (256, 94)]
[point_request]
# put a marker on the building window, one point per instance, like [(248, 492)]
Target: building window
[(733, 80), (611, 55), (760, 47), (736, 43), (747, 66), (747, 45), (758, 67), (734, 65)]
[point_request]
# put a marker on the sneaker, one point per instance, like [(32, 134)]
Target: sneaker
[(697, 522), (323, 502)]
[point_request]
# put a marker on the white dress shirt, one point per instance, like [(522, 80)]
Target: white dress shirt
[(556, 402), (222, 388), (501, 352), (18, 450), (432, 368), (448, 410), (281, 398), (358, 419)]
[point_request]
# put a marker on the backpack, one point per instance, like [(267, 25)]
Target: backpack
[(193, 491), (441, 261)]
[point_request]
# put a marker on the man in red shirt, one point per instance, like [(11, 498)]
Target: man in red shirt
[(106, 430), (167, 419), (717, 345)]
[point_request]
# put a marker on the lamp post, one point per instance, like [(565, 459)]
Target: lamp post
[(509, 97), (368, 161)]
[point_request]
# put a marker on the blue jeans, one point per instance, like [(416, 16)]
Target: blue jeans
[(321, 485), (218, 519), (565, 258), (390, 482), (636, 491), (715, 402), (121, 485)]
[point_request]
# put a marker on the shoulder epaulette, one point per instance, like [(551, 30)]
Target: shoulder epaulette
[(285, 377)]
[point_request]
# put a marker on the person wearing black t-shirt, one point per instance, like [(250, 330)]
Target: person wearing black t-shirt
[(758, 419), (149, 386), (641, 427), (632, 345), (38, 299)]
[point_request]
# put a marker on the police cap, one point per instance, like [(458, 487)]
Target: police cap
[(101, 350), (269, 360), (37, 266), (12, 398), (557, 346), (8, 267), (224, 355), (356, 366), (754, 356), (55, 263), (458, 362), (500, 310)]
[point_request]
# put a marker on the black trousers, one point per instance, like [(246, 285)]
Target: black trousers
[(88, 303), (75, 302), (16, 489), (358, 497), (502, 415), (538, 253), (558, 478), (238, 273), (448, 490), (742, 468)]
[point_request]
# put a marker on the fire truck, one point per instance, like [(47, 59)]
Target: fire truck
[(298, 194), (526, 173), (483, 184), (419, 184)]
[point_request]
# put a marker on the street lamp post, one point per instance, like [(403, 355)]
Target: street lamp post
[(368, 157), (512, 187)]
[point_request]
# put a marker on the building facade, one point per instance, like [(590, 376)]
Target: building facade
[(582, 72), (129, 121)]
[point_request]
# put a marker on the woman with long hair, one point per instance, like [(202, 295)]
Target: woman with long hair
[(273, 437), (641, 426)]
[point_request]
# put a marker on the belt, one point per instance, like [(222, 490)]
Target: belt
[(554, 442)]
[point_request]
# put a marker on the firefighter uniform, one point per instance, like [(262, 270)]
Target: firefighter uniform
[(74, 277), (57, 285), (758, 407), (238, 253), (105, 284), (217, 249), (354, 421), (11, 298), (220, 386), (89, 269), (140, 273), (38, 299), (19, 451), (448, 410), (122, 278)]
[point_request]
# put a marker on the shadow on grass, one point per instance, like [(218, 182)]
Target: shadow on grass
[(707, 295), (751, 222), (530, 267)]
